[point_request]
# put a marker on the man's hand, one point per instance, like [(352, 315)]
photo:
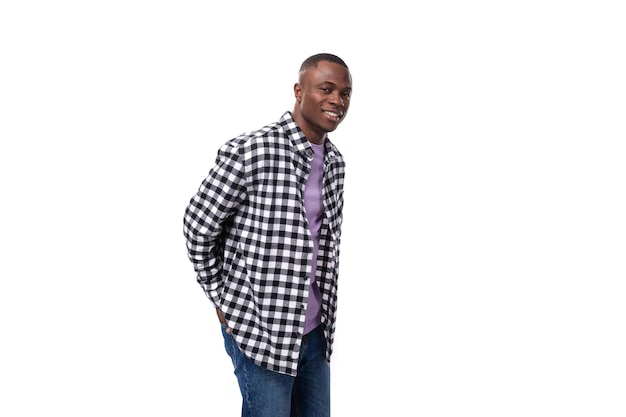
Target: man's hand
[(222, 320)]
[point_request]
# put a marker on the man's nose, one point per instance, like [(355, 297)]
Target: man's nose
[(337, 99)]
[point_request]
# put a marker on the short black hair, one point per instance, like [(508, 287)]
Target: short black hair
[(313, 60)]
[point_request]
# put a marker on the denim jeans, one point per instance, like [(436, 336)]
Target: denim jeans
[(271, 394)]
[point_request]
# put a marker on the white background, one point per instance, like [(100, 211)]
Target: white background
[(483, 254)]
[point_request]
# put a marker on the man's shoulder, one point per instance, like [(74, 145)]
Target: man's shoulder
[(274, 130), (282, 128)]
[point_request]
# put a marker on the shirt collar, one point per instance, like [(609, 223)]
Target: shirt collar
[(299, 141)]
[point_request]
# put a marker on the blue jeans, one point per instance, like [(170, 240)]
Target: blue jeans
[(272, 394)]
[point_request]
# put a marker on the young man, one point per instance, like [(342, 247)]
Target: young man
[(263, 234)]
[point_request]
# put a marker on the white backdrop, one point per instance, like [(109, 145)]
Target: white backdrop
[(482, 269)]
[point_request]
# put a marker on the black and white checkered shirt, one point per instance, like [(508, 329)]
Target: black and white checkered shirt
[(249, 241)]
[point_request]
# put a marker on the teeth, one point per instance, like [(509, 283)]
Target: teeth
[(332, 113)]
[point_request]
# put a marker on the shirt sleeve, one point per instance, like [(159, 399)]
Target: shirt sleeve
[(206, 216)]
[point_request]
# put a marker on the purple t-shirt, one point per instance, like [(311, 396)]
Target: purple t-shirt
[(314, 213)]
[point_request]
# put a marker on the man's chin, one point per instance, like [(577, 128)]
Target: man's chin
[(330, 127)]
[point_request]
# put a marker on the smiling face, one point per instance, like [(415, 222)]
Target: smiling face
[(322, 99)]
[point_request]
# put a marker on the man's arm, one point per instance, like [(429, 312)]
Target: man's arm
[(210, 208)]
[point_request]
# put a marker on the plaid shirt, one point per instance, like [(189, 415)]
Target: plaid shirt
[(249, 241)]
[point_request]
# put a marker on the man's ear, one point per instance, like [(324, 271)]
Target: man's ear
[(297, 91)]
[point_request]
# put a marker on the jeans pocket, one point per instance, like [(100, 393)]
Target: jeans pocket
[(229, 343)]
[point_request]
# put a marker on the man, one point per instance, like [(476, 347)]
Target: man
[(263, 234)]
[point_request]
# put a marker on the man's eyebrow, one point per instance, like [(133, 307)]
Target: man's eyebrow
[(334, 85)]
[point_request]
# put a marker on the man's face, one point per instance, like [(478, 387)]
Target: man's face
[(323, 99)]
